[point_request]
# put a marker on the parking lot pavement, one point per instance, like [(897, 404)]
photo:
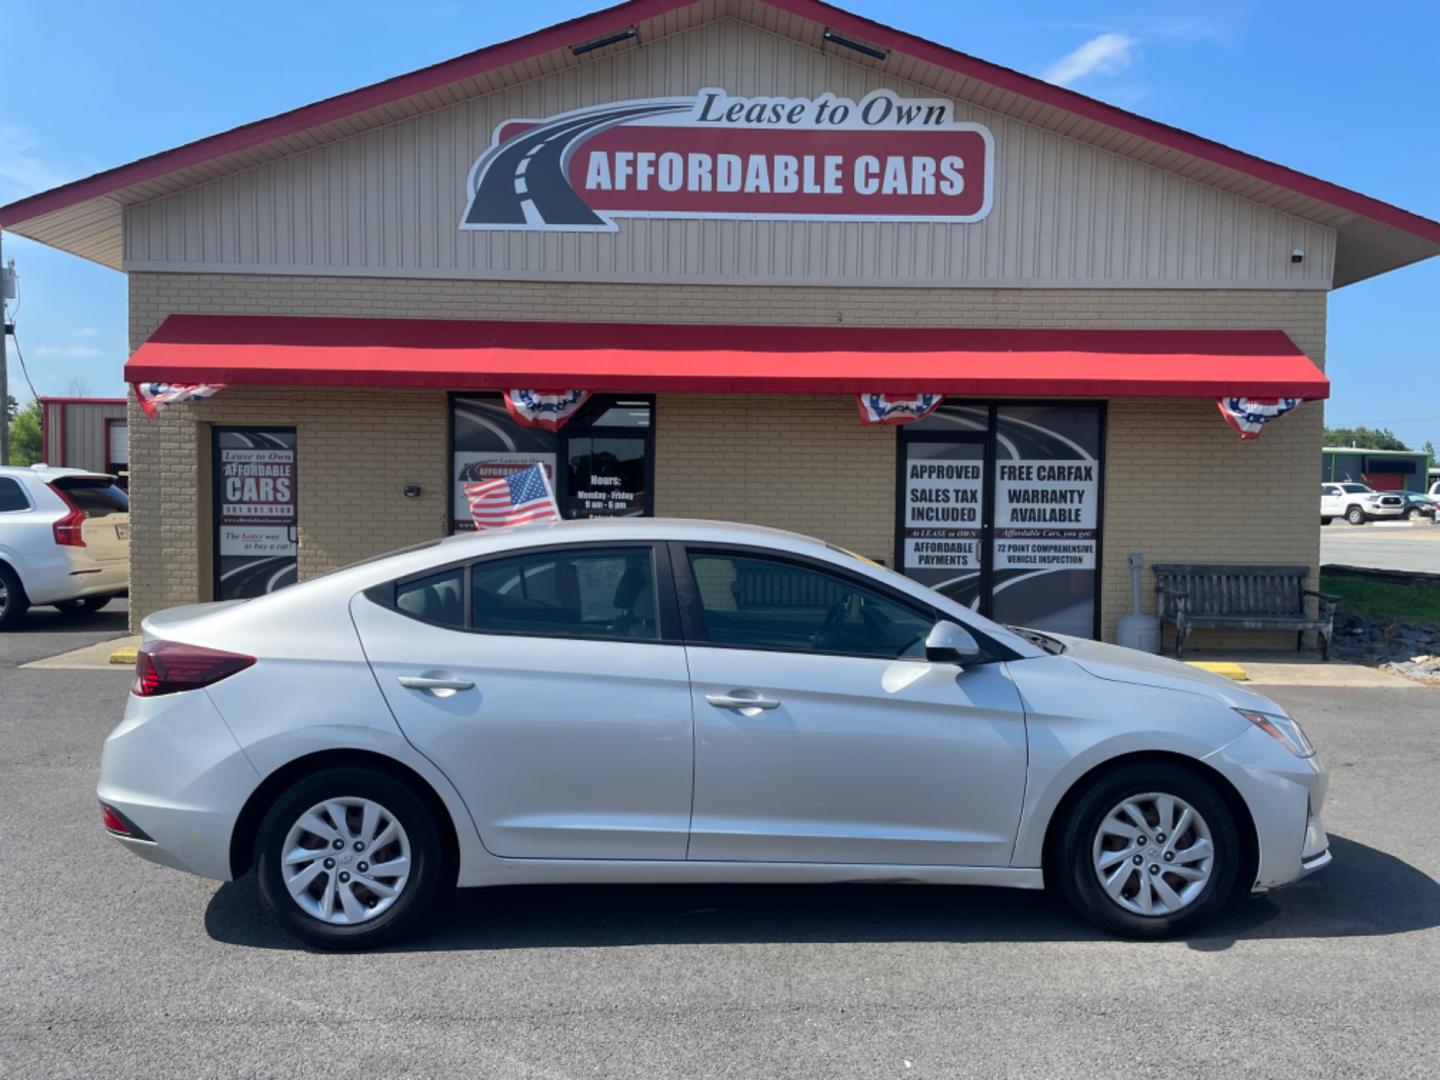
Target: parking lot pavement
[(46, 632), (112, 967), (1383, 547)]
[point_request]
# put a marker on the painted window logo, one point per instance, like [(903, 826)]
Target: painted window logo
[(883, 158)]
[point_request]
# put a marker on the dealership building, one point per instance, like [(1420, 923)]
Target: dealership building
[(767, 261)]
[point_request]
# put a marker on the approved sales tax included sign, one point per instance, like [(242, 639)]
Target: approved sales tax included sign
[(882, 158)]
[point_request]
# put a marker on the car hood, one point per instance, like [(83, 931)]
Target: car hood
[(1117, 664)]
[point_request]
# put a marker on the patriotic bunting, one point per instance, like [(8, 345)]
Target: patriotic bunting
[(521, 498), (156, 397), (548, 409), (896, 408), (1248, 416)]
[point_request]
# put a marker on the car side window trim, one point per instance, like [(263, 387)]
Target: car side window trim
[(687, 593), (667, 607)]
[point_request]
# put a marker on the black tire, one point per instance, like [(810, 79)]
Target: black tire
[(1355, 516), (1073, 856), (1408, 513), (1325, 521), (419, 891), (84, 605), (14, 603)]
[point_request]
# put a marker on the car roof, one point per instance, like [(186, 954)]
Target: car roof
[(45, 472)]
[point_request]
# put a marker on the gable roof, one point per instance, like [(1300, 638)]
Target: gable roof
[(86, 217)]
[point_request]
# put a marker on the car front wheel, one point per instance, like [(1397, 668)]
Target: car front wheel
[(1149, 851), (349, 858), (1355, 516)]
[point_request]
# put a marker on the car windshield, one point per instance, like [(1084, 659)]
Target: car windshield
[(97, 496)]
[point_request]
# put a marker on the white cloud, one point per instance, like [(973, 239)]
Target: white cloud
[(1105, 54), (21, 172), (69, 352), (87, 331)]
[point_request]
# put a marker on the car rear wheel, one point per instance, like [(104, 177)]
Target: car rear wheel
[(349, 858), (1149, 851), (1355, 516), (13, 603), (1407, 513)]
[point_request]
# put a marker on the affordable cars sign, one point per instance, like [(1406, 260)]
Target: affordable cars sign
[(882, 158)]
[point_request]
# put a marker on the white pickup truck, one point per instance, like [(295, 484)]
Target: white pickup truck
[(1357, 503)]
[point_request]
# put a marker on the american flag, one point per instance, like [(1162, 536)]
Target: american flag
[(518, 499), (156, 397)]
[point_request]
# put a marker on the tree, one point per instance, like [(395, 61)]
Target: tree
[(25, 445), (1364, 438)]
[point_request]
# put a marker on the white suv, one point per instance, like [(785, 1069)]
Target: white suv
[(64, 540), (1357, 503)]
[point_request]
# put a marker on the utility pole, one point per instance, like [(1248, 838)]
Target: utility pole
[(4, 362)]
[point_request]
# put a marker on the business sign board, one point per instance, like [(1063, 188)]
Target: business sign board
[(828, 158), (255, 511)]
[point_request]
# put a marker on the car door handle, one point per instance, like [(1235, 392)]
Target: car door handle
[(742, 700), (435, 682)]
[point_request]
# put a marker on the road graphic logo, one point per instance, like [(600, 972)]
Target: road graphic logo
[(882, 158)]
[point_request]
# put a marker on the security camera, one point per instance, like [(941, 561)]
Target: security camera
[(1298, 255)]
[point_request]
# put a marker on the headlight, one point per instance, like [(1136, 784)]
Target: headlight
[(1283, 730)]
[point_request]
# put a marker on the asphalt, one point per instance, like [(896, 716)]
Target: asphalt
[(1414, 548), (112, 967)]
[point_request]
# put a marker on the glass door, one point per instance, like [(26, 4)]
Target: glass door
[(999, 508), (943, 514), (609, 460)]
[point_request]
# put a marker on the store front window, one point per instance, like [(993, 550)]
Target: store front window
[(999, 508), (601, 463)]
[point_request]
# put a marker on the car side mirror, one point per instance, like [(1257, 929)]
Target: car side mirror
[(949, 643)]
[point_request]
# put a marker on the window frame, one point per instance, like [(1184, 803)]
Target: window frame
[(24, 495), (666, 607), (692, 615)]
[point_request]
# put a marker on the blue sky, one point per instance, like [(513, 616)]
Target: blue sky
[(1347, 94)]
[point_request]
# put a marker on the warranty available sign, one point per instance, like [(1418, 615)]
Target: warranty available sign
[(882, 158)]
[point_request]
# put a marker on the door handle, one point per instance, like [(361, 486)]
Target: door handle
[(435, 682), (742, 699)]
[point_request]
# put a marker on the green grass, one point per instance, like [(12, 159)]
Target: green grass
[(1379, 600)]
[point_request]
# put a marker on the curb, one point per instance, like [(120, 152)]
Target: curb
[(124, 655), (1220, 667)]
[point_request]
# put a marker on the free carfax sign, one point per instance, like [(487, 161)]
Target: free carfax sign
[(882, 158)]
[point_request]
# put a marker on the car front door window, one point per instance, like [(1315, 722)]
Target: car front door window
[(761, 603)]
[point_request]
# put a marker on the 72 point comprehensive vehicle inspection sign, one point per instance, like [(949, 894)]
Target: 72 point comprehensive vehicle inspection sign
[(882, 158)]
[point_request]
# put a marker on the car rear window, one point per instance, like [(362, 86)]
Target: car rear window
[(96, 495), (12, 497)]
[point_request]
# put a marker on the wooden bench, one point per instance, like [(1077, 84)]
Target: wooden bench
[(1238, 597)]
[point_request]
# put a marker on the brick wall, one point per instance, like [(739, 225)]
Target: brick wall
[(1179, 483)]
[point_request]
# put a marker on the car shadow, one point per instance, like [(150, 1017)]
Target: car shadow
[(112, 619), (1365, 892)]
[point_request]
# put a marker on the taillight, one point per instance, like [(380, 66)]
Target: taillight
[(68, 530), (167, 667), (113, 821)]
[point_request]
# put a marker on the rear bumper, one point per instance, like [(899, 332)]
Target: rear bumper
[(173, 768), (69, 574)]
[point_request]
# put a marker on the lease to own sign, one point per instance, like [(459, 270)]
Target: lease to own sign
[(882, 158)]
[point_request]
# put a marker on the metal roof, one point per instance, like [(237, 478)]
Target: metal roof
[(85, 217)]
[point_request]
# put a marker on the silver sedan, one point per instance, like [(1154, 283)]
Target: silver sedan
[(646, 700)]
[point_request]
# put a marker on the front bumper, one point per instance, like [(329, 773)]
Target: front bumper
[(173, 768), (1285, 795)]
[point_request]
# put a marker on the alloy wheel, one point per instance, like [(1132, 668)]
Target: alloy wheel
[(346, 860), (1153, 854)]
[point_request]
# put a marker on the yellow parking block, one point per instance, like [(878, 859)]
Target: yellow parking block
[(1219, 667), (125, 655)]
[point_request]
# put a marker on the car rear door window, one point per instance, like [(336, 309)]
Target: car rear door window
[(759, 603), (590, 593), (97, 496), (12, 496), (439, 598)]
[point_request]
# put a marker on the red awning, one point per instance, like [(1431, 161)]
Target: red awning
[(466, 355)]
